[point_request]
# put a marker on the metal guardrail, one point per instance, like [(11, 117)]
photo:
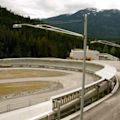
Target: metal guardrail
[(72, 95)]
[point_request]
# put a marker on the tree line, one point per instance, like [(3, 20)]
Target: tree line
[(106, 49), (31, 42)]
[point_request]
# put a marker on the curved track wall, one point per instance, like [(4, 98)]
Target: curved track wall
[(69, 102)]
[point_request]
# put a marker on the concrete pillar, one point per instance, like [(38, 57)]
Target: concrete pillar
[(97, 88), (58, 110)]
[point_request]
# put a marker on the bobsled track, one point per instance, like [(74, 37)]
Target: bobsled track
[(63, 98)]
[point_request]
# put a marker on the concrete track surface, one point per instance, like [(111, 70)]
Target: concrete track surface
[(69, 81), (109, 109)]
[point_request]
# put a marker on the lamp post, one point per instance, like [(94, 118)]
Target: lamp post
[(84, 68)]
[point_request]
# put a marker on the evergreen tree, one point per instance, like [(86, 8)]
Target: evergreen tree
[(105, 49), (113, 51)]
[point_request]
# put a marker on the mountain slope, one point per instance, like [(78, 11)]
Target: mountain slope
[(31, 42), (101, 24)]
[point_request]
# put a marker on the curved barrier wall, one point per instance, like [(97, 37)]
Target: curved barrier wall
[(49, 63), (69, 102)]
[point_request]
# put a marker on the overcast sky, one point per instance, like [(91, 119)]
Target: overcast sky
[(49, 8)]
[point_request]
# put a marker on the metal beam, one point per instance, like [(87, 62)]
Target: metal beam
[(49, 28), (105, 42)]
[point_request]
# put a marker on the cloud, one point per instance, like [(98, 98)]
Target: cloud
[(48, 8), (77, 6)]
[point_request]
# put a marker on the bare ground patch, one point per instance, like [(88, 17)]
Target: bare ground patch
[(18, 89), (24, 73)]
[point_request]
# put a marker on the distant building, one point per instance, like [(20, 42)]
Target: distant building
[(91, 55)]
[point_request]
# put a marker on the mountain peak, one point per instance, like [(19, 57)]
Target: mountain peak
[(101, 24), (85, 11), (90, 9)]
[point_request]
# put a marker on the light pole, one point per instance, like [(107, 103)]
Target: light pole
[(84, 68)]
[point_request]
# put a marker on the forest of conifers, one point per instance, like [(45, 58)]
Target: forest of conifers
[(31, 42)]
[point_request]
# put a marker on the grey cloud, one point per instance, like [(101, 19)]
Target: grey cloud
[(48, 8), (10, 5), (41, 8), (75, 7)]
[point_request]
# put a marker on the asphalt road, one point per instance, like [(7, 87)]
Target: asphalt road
[(109, 109)]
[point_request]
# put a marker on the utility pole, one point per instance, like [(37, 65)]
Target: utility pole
[(84, 68)]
